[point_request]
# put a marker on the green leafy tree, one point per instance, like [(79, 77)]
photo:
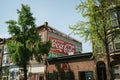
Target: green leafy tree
[(25, 41), (98, 26)]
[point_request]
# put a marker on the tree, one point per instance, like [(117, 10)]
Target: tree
[(25, 41), (98, 26)]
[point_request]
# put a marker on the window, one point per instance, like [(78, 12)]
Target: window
[(5, 59), (85, 75), (53, 76), (111, 47), (116, 71), (117, 76), (67, 75), (117, 45), (5, 50), (116, 67), (42, 36), (113, 17)]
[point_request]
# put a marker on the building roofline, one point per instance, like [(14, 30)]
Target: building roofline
[(57, 31)]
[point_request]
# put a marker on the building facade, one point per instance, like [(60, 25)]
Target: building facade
[(111, 14), (72, 67), (65, 60), (62, 45), (1, 54)]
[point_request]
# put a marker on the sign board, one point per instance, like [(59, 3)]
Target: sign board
[(60, 46)]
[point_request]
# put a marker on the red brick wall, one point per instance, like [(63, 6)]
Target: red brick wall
[(75, 66)]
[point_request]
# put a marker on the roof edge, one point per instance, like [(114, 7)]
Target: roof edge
[(45, 25), (81, 56)]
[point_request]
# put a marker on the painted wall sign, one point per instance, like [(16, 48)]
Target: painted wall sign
[(60, 46)]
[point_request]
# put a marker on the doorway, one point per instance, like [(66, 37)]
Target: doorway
[(101, 71)]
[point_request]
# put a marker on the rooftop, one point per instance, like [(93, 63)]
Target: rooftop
[(51, 29)]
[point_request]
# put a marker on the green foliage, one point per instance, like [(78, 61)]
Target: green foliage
[(13, 28), (86, 28), (97, 24), (25, 41), (101, 27), (41, 49), (25, 18)]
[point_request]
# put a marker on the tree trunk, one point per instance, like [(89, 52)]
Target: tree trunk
[(106, 40), (25, 71), (108, 62)]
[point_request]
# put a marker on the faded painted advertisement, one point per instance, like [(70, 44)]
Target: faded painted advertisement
[(60, 46)]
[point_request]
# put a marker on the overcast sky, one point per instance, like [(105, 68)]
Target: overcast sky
[(58, 13)]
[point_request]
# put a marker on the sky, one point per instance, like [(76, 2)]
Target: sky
[(59, 14)]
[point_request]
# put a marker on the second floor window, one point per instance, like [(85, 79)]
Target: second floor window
[(42, 36), (114, 18)]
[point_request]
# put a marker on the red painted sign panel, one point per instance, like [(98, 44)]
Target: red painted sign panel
[(60, 46)]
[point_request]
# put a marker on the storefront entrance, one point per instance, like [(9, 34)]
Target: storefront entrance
[(101, 71)]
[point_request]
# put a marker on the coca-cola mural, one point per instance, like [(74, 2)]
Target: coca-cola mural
[(60, 46)]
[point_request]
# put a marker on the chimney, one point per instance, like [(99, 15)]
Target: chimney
[(45, 24)]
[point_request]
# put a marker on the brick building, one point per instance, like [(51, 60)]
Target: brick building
[(72, 67), (62, 45), (109, 57), (65, 59)]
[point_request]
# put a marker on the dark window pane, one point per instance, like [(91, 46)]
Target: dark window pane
[(117, 45)]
